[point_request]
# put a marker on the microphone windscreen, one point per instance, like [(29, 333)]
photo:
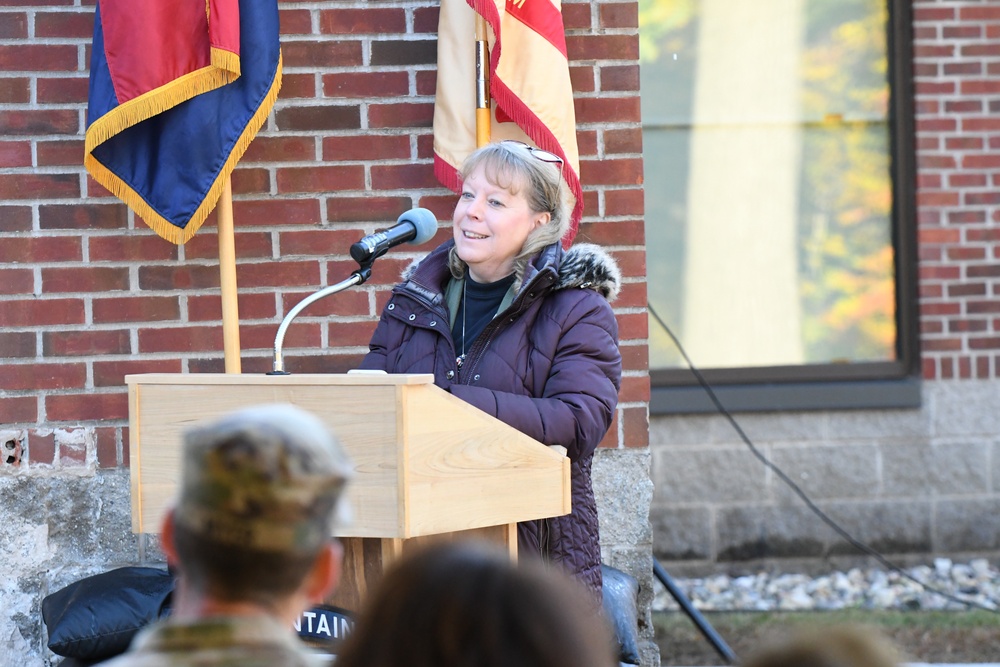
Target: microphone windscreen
[(424, 222)]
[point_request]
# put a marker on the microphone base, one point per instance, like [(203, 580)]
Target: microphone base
[(277, 373)]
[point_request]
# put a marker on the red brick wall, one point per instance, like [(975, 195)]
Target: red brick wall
[(957, 80), (88, 294)]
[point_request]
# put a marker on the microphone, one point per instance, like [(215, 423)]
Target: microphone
[(416, 226)]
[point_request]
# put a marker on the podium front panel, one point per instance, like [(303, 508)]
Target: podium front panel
[(358, 415)]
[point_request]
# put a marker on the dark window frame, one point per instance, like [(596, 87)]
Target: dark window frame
[(894, 384)]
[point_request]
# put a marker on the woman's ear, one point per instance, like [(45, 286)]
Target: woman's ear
[(542, 219)]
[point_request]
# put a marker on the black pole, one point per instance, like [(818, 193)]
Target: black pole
[(703, 625)]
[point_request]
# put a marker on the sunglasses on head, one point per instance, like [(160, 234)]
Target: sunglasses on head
[(537, 153)]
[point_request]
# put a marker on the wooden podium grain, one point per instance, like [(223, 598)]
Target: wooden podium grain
[(427, 465)]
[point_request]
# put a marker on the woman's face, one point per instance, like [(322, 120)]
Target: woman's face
[(491, 225)]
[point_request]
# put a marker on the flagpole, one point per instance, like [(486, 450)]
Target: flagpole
[(227, 280), (482, 83)]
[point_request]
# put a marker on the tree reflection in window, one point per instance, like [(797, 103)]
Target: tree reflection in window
[(832, 142)]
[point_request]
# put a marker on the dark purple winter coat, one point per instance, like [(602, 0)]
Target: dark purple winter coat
[(548, 365)]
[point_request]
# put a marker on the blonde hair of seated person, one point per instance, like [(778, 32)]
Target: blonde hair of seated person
[(827, 646)]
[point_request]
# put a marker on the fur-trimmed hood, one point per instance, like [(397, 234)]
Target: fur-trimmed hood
[(583, 266), (586, 265)]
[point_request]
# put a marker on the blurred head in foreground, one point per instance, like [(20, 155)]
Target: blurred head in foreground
[(838, 646), (250, 538), (466, 604), (256, 506)]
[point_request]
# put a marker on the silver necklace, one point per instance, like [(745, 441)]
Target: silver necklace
[(465, 310)]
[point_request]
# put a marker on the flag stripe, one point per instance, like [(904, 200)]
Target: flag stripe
[(544, 18)]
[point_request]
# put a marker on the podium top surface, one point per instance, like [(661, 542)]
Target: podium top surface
[(356, 378)]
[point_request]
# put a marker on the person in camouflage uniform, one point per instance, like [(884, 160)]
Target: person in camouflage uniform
[(250, 537)]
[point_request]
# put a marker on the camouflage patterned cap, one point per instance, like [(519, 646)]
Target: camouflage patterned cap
[(266, 477)]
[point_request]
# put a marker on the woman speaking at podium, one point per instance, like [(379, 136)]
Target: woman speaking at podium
[(509, 322)]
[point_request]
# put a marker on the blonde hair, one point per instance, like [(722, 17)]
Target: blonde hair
[(511, 166), (827, 646)]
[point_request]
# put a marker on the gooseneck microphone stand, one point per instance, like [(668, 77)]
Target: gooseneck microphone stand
[(356, 278)]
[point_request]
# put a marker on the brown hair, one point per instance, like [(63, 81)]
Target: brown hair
[(463, 604), (240, 574)]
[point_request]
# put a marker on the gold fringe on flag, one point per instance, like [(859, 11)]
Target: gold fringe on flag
[(134, 200), (226, 60), (159, 100)]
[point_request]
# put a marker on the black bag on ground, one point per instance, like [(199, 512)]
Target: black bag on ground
[(620, 593), (96, 617)]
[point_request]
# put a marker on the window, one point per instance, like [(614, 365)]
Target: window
[(779, 215)]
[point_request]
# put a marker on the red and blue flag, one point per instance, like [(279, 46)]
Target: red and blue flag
[(178, 90)]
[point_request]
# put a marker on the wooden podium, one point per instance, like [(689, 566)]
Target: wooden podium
[(427, 465)]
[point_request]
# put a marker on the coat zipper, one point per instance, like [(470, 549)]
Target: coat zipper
[(497, 325), (439, 314)]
